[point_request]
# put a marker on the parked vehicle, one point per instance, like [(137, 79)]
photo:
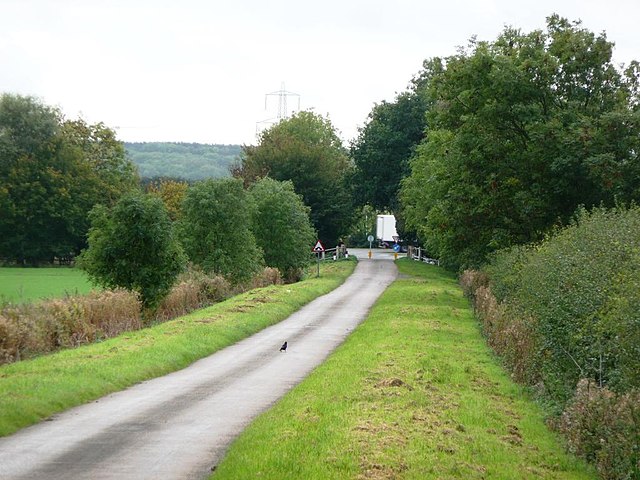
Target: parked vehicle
[(386, 232)]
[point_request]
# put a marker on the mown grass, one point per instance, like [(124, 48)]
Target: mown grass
[(21, 285), (35, 389), (414, 393)]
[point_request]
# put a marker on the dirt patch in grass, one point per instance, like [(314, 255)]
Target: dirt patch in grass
[(393, 382)]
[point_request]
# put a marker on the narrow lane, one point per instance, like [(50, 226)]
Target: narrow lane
[(178, 426)]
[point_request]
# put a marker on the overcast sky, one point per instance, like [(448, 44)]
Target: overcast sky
[(198, 71)]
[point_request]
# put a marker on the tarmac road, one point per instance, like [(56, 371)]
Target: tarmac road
[(179, 426)]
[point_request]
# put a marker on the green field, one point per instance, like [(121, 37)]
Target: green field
[(414, 393), (20, 285)]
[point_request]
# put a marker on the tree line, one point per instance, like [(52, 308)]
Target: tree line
[(503, 141), (68, 187), (185, 161), (53, 171)]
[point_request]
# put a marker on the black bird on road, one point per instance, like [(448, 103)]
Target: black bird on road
[(283, 348)]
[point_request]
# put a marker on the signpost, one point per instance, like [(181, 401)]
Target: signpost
[(370, 238), (318, 249)]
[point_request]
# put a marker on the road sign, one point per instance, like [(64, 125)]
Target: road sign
[(396, 248), (370, 238), (318, 248)]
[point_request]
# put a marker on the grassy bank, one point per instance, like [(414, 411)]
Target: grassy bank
[(35, 389), (413, 393), (20, 285)]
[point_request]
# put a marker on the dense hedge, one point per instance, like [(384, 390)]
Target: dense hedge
[(565, 314)]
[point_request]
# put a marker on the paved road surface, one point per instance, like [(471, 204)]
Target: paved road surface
[(178, 426)]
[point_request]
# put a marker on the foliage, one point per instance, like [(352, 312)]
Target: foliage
[(171, 192), (581, 286), (522, 131), (33, 329), (52, 172), (382, 150), (109, 173), (566, 320), (216, 229), (306, 150), (133, 246), (282, 227), (185, 161), (364, 224), (605, 429)]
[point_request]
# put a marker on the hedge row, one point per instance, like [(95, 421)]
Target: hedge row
[(565, 316)]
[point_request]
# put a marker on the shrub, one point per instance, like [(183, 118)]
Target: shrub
[(604, 428), (511, 334), (268, 276), (194, 289), (581, 287), (566, 316), (32, 329), (216, 230)]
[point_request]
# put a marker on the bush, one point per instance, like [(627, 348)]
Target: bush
[(133, 246), (32, 329), (268, 276), (511, 334), (604, 428), (194, 290), (581, 286), (566, 318)]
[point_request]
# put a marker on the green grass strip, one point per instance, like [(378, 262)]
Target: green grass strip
[(21, 285), (35, 389), (413, 393)]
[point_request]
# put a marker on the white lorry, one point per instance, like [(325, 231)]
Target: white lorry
[(386, 230)]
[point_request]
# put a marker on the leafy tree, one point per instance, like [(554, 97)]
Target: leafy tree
[(382, 150), (523, 130), (109, 172), (172, 193), (133, 246), (28, 187), (216, 229), (52, 172), (282, 227), (306, 150)]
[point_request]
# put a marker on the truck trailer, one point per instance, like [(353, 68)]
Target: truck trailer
[(386, 230)]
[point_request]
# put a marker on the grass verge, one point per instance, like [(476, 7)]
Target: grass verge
[(413, 393), (20, 285), (33, 390)]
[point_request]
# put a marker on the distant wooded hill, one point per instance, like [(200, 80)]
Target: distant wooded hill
[(188, 161)]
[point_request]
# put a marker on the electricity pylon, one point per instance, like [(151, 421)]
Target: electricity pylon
[(283, 113)]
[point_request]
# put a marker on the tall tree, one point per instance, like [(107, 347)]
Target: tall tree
[(523, 130), (133, 246), (382, 150), (216, 229), (282, 227), (52, 172), (306, 150)]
